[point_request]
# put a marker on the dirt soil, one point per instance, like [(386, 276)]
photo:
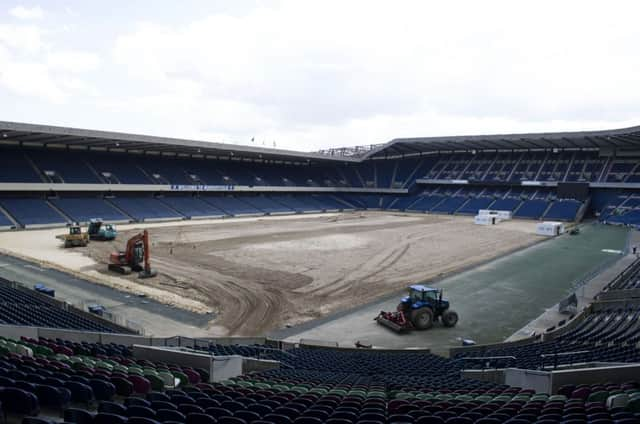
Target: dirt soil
[(262, 274)]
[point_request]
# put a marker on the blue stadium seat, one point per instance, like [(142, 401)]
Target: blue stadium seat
[(31, 211)]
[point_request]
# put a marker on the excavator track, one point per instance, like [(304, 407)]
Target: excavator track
[(120, 269)]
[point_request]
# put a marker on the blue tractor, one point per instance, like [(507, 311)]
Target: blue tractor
[(419, 310)]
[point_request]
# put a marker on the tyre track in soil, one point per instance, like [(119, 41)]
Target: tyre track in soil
[(375, 266), (244, 306)]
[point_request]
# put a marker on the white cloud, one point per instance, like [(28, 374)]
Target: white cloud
[(73, 61), (31, 79), (36, 69), (315, 72), (24, 38), (22, 12)]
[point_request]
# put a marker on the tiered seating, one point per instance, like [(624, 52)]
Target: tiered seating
[(618, 208), (267, 205), (475, 204), (144, 208), (404, 170), (5, 222), (231, 205), (329, 202), (404, 202), (351, 175), (563, 210), (63, 373), (531, 166), (620, 169), (315, 386), (83, 209), (167, 171), (628, 279), (368, 174), (118, 169), (607, 335), (384, 171), (25, 307), (425, 203), (450, 205), (371, 201), (31, 211), (532, 209), (298, 203), (64, 170), (507, 204), (191, 207), (14, 168)]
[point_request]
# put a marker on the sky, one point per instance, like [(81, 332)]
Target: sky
[(307, 75)]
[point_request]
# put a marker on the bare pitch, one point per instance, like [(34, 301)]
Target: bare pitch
[(263, 274)]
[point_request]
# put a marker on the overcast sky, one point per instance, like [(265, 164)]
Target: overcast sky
[(316, 74)]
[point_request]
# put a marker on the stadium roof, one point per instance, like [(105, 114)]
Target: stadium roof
[(47, 135), (624, 138)]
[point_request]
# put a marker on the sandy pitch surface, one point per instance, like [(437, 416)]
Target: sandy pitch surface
[(259, 274)]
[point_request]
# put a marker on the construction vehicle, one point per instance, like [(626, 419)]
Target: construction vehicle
[(135, 257), (98, 230), (75, 237), (419, 310)]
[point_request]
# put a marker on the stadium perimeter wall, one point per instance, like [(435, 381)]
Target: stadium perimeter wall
[(550, 381)]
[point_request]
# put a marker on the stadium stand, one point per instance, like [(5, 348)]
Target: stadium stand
[(32, 211), (449, 205), (15, 167), (266, 204), (21, 306), (329, 202), (563, 210), (5, 222), (54, 167), (507, 204), (232, 205), (83, 209), (318, 385), (191, 206), (475, 204), (144, 208), (116, 169), (532, 209), (298, 203)]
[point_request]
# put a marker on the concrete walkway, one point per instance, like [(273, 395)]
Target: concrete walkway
[(585, 293)]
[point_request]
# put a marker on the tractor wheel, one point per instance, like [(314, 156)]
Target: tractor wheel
[(449, 318), (422, 318)]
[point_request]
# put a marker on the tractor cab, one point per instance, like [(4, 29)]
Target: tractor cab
[(420, 296), (75, 230)]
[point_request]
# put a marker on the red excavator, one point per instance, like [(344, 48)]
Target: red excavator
[(134, 258)]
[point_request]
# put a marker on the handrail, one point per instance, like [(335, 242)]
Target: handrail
[(487, 359), (557, 354)]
